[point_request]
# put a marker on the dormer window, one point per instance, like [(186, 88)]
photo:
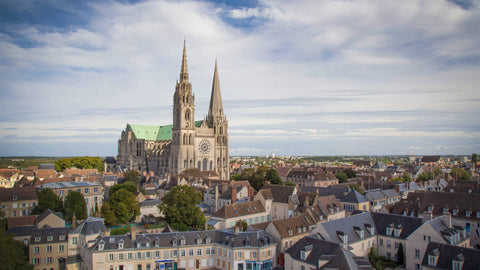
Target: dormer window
[(389, 231), (478, 214), (362, 234), (182, 241), (139, 245), (445, 210), (304, 229), (396, 232), (432, 260), (302, 255), (430, 208), (157, 243), (457, 262), (101, 245), (468, 213), (455, 211), (50, 238), (345, 239), (174, 242), (199, 240), (14, 197), (37, 239), (61, 237), (120, 245), (207, 240), (299, 230), (147, 244)]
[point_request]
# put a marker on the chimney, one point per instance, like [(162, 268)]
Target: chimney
[(251, 192), (105, 232), (74, 221), (306, 203), (448, 219), (234, 194), (133, 233), (397, 188), (427, 215)]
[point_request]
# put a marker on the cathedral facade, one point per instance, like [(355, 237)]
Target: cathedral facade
[(186, 144)]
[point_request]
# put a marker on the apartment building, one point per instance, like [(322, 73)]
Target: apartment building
[(92, 192), (18, 202), (182, 250)]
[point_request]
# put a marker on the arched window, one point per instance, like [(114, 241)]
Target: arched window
[(184, 138), (205, 164), (191, 163), (187, 115), (191, 139), (185, 163), (221, 130), (211, 165), (218, 162), (199, 165)]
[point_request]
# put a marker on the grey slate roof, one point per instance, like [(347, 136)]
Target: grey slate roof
[(408, 224), (90, 226), (150, 203), (346, 226), (227, 238), (46, 213), (354, 197), (334, 256), (42, 235), (46, 167), (70, 184), (448, 253)]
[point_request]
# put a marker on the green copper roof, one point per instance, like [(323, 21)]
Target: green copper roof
[(154, 133)]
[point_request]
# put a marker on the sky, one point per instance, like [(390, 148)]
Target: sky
[(297, 77)]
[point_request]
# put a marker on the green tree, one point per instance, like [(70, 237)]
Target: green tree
[(12, 253), (342, 177), (460, 174), (407, 177), (132, 176), (129, 186), (288, 183), (355, 187), (236, 177), (47, 199), (273, 177), (350, 173), (63, 163), (107, 213), (75, 204), (247, 174), (125, 205), (88, 163), (179, 207), (400, 255)]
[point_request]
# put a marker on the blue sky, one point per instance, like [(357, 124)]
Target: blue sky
[(297, 77)]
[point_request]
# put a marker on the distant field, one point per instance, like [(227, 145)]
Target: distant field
[(24, 162)]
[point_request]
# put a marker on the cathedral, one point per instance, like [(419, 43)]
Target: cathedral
[(186, 144)]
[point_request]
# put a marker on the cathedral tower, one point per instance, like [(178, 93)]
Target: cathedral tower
[(216, 119), (182, 150)]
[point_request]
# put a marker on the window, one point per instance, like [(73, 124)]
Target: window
[(182, 253), (110, 257), (199, 252), (74, 240), (129, 256), (431, 260), (37, 239), (381, 242), (61, 192), (174, 253), (36, 261), (120, 256), (50, 238), (86, 190), (49, 249), (417, 253), (49, 259), (254, 254), (239, 255), (61, 237), (139, 266), (397, 244), (61, 248), (212, 251), (95, 189), (190, 252), (207, 251), (157, 254), (389, 243), (457, 265), (139, 255), (389, 255), (36, 250)]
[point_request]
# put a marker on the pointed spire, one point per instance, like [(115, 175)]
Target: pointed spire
[(184, 70), (216, 107)]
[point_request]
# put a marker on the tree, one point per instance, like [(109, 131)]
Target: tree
[(75, 204), (47, 199), (350, 173), (342, 177), (129, 186), (179, 207), (63, 163), (236, 177), (355, 187), (247, 174), (107, 213), (132, 176), (460, 174), (12, 253), (288, 183), (273, 177), (407, 177), (125, 205), (400, 255)]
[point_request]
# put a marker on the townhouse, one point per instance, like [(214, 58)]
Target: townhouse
[(17, 202), (379, 198), (280, 201), (442, 256), (182, 250), (251, 212), (92, 192), (48, 248)]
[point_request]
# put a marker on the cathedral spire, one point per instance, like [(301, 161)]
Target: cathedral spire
[(184, 70), (216, 107)]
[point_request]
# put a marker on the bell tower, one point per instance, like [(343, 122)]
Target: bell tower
[(182, 150), (216, 119)]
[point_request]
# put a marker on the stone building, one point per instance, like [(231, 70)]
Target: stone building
[(186, 143)]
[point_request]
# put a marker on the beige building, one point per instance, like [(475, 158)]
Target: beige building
[(182, 250), (280, 201), (92, 192), (251, 212), (18, 202), (187, 143), (48, 248)]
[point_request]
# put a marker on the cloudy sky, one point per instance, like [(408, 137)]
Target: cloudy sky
[(297, 77)]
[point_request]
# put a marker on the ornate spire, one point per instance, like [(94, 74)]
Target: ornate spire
[(216, 107), (184, 70)]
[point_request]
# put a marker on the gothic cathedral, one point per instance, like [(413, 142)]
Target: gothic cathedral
[(187, 143)]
